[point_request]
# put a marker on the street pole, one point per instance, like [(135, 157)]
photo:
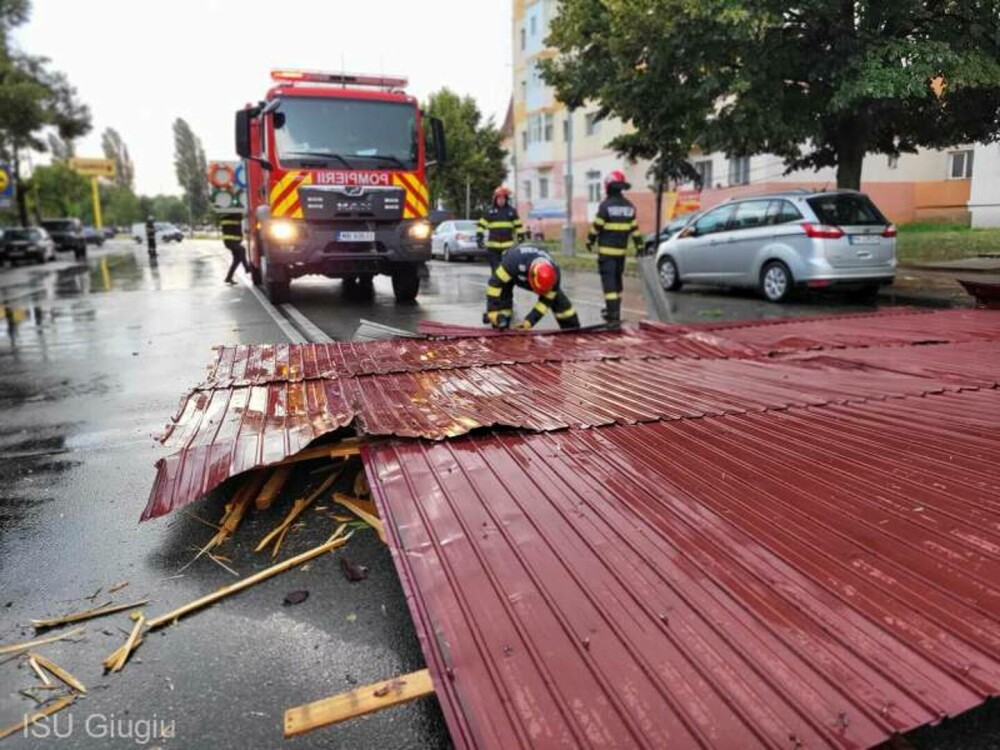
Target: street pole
[(468, 196), (569, 231), (98, 224)]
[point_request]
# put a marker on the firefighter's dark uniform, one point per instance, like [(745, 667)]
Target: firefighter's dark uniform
[(151, 236), (502, 228), (511, 271), (613, 226), (232, 238)]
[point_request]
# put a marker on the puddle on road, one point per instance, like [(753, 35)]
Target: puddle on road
[(30, 463)]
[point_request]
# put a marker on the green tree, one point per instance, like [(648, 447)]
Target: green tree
[(819, 83), (189, 161), (59, 191), (115, 150), (32, 98), (169, 208), (120, 206), (475, 155)]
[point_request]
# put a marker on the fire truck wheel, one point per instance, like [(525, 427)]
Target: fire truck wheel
[(256, 275), (278, 292), (406, 283)]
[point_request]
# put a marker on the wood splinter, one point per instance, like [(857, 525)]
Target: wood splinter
[(363, 509), (357, 702), (58, 672)]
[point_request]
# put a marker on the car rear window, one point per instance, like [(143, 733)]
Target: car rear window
[(59, 226), (465, 226), (846, 210), (19, 234)]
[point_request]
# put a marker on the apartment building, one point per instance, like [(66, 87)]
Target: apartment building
[(931, 185)]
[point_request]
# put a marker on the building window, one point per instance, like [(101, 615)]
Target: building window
[(892, 162), (524, 39), (704, 170), (534, 128), (524, 140), (961, 165), (739, 170), (527, 190), (534, 25), (592, 125), (543, 188), (524, 89), (548, 128), (594, 186)]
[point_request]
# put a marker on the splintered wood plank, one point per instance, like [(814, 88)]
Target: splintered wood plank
[(25, 645), (273, 487), (357, 702), (58, 672), (107, 609), (365, 510), (29, 719)]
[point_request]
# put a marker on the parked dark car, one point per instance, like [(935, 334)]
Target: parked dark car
[(68, 235), (27, 243), (93, 236)]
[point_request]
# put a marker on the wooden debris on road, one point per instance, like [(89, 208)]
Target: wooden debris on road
[(357, 702), (58, 672), (38, 671), (105, 609), (116, 661), (29, 719), (347, 447), (272, 488), (233, 588), (361, 487), (278, 533), (237, 508), (26, 645), (118, 587), (363, 509)]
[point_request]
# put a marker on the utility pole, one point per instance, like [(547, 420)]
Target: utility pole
[(569, 231), (468, 195)]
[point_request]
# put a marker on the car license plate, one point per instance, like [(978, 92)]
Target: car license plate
[(356, 236), (864, 239)]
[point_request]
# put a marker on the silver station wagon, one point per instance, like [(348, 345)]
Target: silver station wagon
[(780, 241)]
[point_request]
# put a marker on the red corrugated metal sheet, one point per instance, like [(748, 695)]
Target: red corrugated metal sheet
[(229, 430), (814, 577)]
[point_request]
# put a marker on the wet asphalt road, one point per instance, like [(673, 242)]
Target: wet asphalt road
[(92, 362)]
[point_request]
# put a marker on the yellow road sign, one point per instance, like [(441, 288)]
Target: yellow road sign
[(4, 180), (93, 167)]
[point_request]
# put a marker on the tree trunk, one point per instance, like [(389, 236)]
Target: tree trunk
[(850, 157), (22, 198), (659, 214)]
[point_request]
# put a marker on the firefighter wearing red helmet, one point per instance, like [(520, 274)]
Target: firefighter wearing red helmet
[(613, 226), (531, 268), (500, 227)]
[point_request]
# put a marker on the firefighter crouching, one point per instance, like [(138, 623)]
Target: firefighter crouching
[(232, 237), (529, 268), (613, 226), (500, 228)]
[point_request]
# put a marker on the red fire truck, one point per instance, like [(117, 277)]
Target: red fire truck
[(336, 180)]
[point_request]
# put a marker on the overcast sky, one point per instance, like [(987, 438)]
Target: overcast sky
[(139, 64)]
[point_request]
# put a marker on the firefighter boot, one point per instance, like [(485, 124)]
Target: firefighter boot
[(613, 312)]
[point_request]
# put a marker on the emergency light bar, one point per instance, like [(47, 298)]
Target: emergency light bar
[(353, 79)]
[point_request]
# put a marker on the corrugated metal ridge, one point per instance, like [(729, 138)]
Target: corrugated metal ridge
[(728, 325), (224, 432), (817, 577)]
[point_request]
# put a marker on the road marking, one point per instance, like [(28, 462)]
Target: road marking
[(310, 329), (293, 336)]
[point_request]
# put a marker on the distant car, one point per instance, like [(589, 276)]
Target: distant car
[(68, 235), (666, 232), (781, 241), (453, 239), (27, 243), (165, 232), (109, 233), (93, 236)]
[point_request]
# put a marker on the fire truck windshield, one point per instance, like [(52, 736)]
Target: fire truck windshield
[(347, 133)]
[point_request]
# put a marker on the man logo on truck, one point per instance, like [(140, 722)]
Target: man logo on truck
[(336, 168)]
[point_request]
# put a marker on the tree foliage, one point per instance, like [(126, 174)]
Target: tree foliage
[(59, 191), (191, 167), (818, 83), (115, 150), (475, 154)]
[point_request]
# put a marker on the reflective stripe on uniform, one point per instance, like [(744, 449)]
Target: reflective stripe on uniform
[(493, 291), (502, 274), (232, 236), (616, 251), (500, 245), (549, 296), (569, 312), (624, 226), (499, 224), (598, 222), (612, 295), (541, 308)]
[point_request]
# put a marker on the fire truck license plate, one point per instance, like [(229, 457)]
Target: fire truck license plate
[(356, 236)]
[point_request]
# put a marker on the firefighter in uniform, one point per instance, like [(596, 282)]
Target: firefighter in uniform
[(613, 226), (530, 268), (503, 226), (232, 238), (151, 236)]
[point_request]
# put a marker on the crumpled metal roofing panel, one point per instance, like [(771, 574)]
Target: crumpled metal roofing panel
[(817, 577), (228, 430)]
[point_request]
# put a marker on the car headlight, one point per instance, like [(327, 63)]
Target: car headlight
[(283, 230), (420, 231)]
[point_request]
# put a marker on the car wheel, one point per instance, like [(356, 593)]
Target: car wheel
[(670, 279), (776, 281), (866, 293), (447, 253)]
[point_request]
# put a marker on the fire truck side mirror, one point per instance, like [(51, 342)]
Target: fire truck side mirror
[(438, 141), (243, 134)]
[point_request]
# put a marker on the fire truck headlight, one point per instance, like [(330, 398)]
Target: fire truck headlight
[(283, 230), (420, 231)]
